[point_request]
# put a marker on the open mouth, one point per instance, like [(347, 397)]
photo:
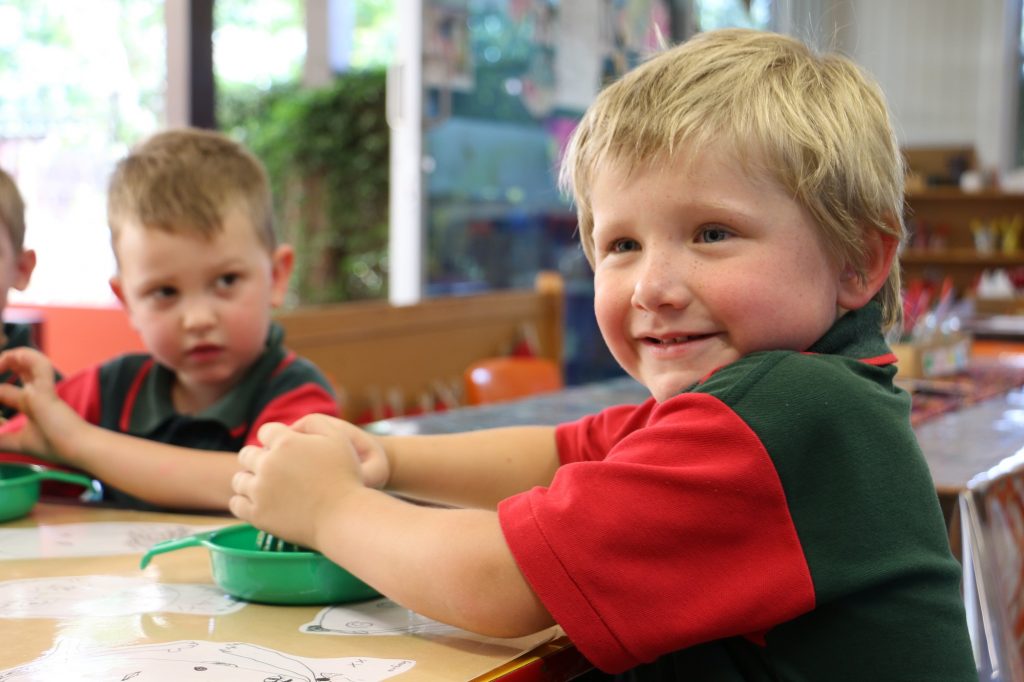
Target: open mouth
[(675, 340)]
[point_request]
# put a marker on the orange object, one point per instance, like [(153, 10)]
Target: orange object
[(494, 380), (996, 348)]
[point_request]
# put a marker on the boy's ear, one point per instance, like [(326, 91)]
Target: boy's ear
[(854, 290), (115, 286), (118, 288), (282, 264), (24, 266)]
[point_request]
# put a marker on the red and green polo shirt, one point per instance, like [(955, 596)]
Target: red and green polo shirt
[(776, 521), (132, 394)]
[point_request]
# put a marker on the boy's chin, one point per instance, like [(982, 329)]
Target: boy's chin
[(664, 387)]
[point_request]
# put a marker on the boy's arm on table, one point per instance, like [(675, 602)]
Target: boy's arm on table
[(161, 474), (158, 473), (471, 469), (452, 565), (306, 485)]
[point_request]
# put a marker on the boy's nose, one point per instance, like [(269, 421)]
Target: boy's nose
[(660, 283), (198, 314)]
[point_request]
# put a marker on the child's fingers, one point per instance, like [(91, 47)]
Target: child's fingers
[(249, 457), (28, 363), (241, 483), (319, 424), (11, 396), (270, 432), (240, 507)]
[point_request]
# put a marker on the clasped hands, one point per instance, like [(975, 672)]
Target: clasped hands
[(300, 474)]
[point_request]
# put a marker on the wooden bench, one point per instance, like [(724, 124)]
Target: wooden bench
[(386, 360)]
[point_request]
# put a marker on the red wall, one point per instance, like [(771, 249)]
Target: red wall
[(75, 338)]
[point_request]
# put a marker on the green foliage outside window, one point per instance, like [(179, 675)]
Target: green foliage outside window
[(327, 154)]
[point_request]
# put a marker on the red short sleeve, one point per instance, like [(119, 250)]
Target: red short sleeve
[(673, 539), (590, 438), (310, 398)]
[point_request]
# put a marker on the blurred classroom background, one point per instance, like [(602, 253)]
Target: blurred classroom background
[(414, 145)]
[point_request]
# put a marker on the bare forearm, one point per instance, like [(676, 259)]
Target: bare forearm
[(452, 565), (473, 469), (163, 475)]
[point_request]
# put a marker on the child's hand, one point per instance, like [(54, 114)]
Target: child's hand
[(50, 424), (295, 479), (373, 463), (34, 371)]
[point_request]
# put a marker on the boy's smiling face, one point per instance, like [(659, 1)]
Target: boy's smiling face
[(696, 264), (202, 306)]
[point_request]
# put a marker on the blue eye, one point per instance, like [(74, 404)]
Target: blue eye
[(624, 245), (712, 234)]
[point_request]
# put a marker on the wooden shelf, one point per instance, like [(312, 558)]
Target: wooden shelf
[(953, 194), (948, 212), (961, 257)]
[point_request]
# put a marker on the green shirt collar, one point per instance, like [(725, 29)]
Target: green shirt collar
[(857, 334), (153, 406)]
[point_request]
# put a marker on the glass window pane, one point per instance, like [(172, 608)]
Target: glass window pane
[(712, 14), (505, 82), (374, 34), (79, 82), (258, 43), (325, 147)]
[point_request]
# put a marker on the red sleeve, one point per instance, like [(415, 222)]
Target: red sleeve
[(681, 535), (82, 392), (590, 438), (310, 398)]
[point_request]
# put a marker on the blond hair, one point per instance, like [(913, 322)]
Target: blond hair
[(189, 179), (12, 212), (815, 124)]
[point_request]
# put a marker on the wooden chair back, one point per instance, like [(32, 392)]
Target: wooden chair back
[(387, 360)]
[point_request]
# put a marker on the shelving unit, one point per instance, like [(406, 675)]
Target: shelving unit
[(949, 212), (960, 256)]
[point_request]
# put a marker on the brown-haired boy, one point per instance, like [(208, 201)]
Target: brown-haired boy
[(199, 271), (16, 266)]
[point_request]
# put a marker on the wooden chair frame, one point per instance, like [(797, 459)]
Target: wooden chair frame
[(375, 352)]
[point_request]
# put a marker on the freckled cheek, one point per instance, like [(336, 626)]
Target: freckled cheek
[(604, 316), (611, 308)]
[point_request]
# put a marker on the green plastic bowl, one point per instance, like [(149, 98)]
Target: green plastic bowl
[(247, 572), (19, 487)]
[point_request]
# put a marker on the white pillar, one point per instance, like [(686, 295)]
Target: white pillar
[(316, 69), (404, 111), (176, 97), (998, 83)]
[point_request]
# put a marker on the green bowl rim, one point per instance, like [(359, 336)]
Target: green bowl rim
[(32, 473), (211, 544)]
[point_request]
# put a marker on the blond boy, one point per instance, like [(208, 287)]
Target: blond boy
[(199, 272), (767, 514)]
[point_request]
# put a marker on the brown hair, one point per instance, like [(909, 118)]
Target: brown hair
[(188, 179), (12, 211), (815, 124)]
